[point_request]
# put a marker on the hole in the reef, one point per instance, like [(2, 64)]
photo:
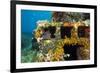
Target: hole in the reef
[(66, 31), (72, 51), (83, 31), (52, 30)]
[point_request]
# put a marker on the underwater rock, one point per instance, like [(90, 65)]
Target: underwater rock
[(69, 16)]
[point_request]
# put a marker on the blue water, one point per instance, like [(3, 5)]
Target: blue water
[(30, 17)]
